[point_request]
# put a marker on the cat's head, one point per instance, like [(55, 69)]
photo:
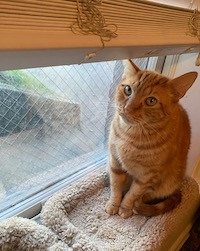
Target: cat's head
[(147, 96)]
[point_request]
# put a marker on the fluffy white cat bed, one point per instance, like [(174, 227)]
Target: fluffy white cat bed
[(76, 214), (19, 234), (75, 220)]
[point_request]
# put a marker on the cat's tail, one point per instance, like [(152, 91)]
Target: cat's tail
[(150, 209)]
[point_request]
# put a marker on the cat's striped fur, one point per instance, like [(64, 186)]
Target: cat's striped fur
[(148, 143)]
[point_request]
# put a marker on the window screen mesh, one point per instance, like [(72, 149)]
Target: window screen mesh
[(54, 121)]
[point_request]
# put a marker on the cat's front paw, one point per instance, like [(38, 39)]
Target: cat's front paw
[(111, 208), (125, 212)]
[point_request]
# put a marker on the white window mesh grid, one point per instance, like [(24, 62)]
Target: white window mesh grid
[(53, 122)]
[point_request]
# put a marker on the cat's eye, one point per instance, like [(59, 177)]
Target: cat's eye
[(127, 90), (151, 101)]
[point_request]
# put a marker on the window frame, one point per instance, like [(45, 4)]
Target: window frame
[(32, 206)]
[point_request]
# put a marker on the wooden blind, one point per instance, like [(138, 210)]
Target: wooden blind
[(45, 24), (53, 18)]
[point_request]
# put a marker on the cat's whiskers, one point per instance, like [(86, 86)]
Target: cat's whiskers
[(140, 132), (156, 131), (145, 133)]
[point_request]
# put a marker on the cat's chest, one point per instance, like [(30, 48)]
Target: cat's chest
[(126, 150), (131, 158), (133, 155)]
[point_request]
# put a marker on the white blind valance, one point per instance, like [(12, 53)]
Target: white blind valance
[(46, 25)]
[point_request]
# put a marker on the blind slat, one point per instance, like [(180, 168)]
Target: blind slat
[(123, 11), (54, 19)]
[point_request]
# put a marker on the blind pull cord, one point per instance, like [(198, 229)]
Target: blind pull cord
[(90, 21)]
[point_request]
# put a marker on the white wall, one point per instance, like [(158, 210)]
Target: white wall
[(182, 3), (191, 103)]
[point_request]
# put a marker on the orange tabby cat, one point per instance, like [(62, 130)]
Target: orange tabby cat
[(148, 143)]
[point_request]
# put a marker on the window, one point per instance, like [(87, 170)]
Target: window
[(54, 122), (54, 125)]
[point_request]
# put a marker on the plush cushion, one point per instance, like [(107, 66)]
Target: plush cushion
[(76, 214)]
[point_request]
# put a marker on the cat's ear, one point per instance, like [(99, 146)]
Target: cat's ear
[(181, 84), (130, 69)]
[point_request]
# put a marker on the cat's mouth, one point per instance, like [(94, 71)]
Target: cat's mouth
[(130, 119)]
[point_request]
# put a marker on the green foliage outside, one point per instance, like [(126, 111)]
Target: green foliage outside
[(20, 80)]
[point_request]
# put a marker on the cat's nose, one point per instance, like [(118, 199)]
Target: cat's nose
[(127, 109), (132, 107)]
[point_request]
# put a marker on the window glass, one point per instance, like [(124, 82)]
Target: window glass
[(54, 121)]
